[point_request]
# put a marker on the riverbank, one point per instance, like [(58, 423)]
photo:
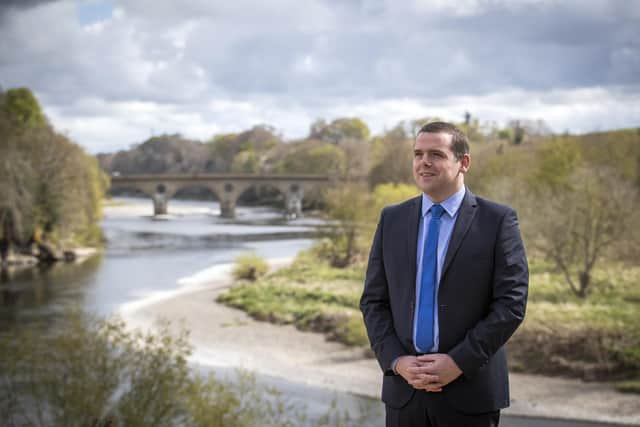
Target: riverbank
[(225, 337), (79, 254)]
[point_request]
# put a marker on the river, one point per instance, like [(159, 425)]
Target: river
[(145, 256)]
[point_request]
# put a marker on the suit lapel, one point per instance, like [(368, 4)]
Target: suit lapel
[(465, 217), (413, 225)]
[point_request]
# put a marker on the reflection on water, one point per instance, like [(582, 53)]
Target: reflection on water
[(43, 291)]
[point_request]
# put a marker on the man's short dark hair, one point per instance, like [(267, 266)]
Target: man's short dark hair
[(459, 141)]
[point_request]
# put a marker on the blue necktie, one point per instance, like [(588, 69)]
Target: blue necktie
[(424, 332)]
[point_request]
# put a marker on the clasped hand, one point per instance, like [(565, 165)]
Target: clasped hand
[(428, 372)]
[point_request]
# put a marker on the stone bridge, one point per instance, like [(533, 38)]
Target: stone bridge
[(226, 187)]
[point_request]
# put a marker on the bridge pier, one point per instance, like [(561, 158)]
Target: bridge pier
[(229, 194), (227, 209), (293, 202), (160, 203)]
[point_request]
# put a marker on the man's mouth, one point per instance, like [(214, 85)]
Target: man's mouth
[(427, 174)]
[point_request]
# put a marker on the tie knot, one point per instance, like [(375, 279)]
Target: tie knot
[(436, 211)]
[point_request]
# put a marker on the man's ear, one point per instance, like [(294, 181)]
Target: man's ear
[(465, 162)]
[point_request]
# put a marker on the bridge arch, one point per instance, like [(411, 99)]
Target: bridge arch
[(128, 190), (196, 191), (258, 190)]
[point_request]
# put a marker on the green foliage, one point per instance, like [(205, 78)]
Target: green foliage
[(88, 371), (249, 267), (619, 149), (246, 162), (353, 213), (312, 157), (223, 149), (348, 207), (629, 386), (241, 152), (50, 189), (71, 376), (391, 194), (21, 106), (340, 130), (392, 159), (555, 161), (505, 134)]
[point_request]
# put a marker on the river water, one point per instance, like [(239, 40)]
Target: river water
[(145, 256)]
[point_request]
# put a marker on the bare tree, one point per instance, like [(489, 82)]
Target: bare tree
[(17, 179), (346, 205), (582, 223)]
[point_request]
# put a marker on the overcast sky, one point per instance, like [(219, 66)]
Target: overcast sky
[(114, 72)]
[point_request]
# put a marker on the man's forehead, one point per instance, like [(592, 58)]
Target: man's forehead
[(441, 140)]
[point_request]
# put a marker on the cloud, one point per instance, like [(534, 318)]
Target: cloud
[(9, 6), (201, 64)]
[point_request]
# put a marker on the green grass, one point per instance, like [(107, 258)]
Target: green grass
[(596, 338), (308, 294)]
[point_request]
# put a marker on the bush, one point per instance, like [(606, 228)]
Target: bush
[(629, 386), (249, 267), (88, 371)]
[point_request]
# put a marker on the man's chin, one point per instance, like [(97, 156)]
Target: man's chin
[(426, 189)]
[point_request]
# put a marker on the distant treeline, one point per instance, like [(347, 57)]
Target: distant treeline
[(343, 147), (50, 188)]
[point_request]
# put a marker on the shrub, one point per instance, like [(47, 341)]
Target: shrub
[(249, 267), (89, 371)]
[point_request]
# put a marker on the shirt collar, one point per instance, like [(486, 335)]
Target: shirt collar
[(450, 205)]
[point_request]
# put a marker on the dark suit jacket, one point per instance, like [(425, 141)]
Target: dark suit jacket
[(481, 299)]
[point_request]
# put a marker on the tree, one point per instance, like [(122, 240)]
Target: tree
[(340, 130), (555, 162), (246, 162), (392, 154), (580, 225), (50, 189), (243, 152), (313, 157), (18, 180), (391, 194), (353, 212), (347, 208), (22, 106)]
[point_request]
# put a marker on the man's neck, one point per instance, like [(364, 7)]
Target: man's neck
[(439, 198)]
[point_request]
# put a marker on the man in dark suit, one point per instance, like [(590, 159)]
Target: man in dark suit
[(446, 286)]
